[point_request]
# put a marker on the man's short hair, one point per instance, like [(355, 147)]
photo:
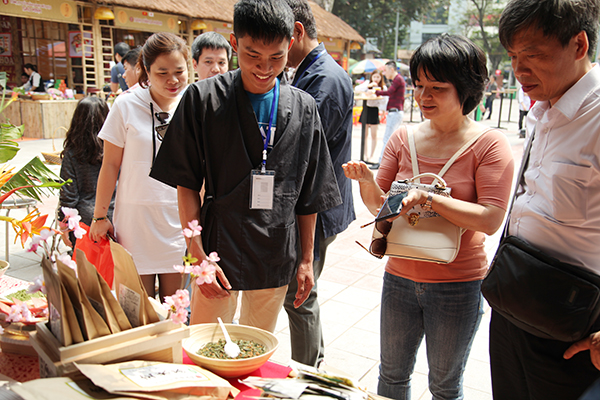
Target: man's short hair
[(210, 40), (266, 20), (561, 19), (392, 64), (121, 48), (303, 14), (456, 60), (131, 57)]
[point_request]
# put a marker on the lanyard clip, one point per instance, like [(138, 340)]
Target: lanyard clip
[(263, 169)]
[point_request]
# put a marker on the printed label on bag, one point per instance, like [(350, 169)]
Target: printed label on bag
[(162, 374), (130, 301)]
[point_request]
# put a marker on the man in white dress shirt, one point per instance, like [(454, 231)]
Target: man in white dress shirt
[(550, 43)]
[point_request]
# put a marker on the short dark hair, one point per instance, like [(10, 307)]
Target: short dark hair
[(266, 20), (303, 14), (158, 44), (560, 19), (132, 56), (30, 66), (82, 136), (456, 60), (392, 64), (121, 48), (210, 40)]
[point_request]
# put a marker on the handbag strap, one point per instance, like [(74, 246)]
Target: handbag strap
[(441, 182), (519, 181), (413, 152)]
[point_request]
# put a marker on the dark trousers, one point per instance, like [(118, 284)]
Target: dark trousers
[(489, 104), (306, 334), (526, 367), (522, 115)]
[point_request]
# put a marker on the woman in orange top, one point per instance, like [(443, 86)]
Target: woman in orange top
[(440, 301)]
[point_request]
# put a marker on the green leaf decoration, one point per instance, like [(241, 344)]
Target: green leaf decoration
[(34, 173), (8, 147)]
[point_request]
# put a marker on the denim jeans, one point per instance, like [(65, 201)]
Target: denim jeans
[(447, 314), (393, 121)]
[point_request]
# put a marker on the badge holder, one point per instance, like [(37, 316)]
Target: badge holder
[(261, 189)]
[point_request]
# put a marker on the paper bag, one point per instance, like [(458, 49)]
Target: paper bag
[(91, 323), (62, 388), (130, 291), (62, 320), (156, 380), (98, 293)]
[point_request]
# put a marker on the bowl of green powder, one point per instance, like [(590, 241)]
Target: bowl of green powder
[(206, 342)]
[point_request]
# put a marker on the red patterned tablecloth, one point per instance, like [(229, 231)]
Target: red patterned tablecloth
[(8, 283), (19, 367), (268, 370)]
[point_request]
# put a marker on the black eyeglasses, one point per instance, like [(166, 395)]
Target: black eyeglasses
[(162, 117), (378, 245), (161, 129)]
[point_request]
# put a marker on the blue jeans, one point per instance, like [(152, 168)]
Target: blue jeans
[(393, 121), (447, 314)]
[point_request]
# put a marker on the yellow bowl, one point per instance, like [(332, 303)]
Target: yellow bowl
[(3, 267), (205, 333)]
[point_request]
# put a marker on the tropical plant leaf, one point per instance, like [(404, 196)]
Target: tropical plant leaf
[(35, 174), (8, 146)]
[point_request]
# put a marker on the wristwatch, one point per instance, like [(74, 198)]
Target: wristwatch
[(427, 205)]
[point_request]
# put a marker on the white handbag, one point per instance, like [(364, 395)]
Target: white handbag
[(420, 234)]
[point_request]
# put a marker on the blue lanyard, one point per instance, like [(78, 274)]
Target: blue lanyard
[(273, 113), (297, 76)]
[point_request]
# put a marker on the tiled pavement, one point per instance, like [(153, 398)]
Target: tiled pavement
[(349, 288)]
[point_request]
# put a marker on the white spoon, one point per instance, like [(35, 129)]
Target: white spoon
[(231, 349)]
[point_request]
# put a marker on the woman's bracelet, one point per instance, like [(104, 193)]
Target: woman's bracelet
[(99, 218)]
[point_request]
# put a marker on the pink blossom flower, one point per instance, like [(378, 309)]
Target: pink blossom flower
[(183, 269), (193, 230), (176, 305), (39, 285), (72, 216), (205, 273), (214, 257), (182, 298), (19, 313), (180, 316), (36, 240), (65, 259), (78, 231)]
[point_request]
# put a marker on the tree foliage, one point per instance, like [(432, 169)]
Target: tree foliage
[(481, 26), (377, 18)]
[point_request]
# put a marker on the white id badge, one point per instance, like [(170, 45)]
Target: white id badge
[(261, 189)]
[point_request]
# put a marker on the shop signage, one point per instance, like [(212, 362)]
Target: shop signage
[(50, 10), (147, 21), (225, 29)]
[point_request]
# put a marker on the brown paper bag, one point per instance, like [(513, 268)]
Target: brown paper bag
[(157, 380), (91, 323), (98, 293), (61, 317), (62, 388), (130, 291)]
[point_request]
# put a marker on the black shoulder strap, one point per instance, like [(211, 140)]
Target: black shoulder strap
[(520, 181)]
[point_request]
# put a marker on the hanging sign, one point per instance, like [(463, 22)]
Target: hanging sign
[(147, 21), (50, 10)]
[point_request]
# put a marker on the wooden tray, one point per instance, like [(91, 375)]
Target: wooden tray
[(160, 341)]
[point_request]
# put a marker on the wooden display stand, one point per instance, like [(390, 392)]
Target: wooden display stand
[(43, 118), (160, 341)]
